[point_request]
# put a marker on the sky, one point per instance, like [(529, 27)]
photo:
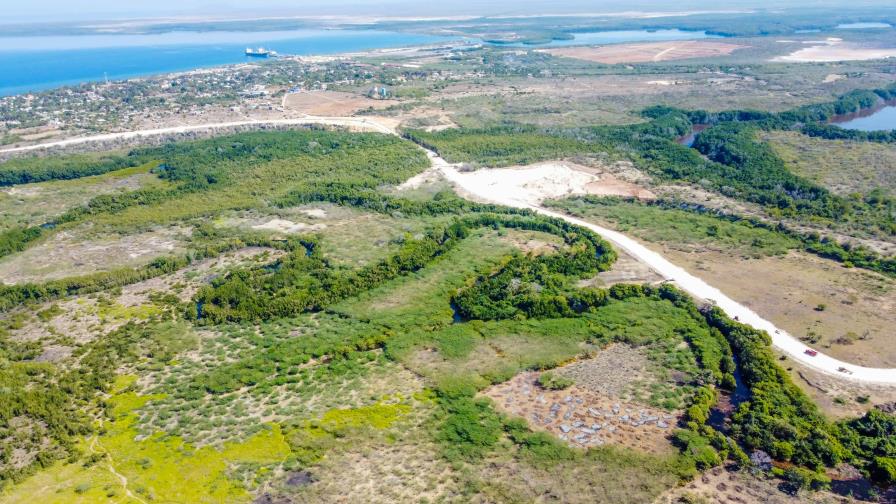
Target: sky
[(83, 10)]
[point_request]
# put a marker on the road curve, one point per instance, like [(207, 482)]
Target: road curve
[(694, 286), (687, 282)]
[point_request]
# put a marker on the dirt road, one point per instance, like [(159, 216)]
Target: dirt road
[(348, 122)]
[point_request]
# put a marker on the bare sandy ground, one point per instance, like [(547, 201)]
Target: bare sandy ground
[(651, 51), (834, 49), (289, 227), (331, 103), (554, 179), (583, 417)]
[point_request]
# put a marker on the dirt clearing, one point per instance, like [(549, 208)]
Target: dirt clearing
[(552, 179), (331, 103), (585, 417), (730, 486), (71, 252), (653, 51), (846, 313)]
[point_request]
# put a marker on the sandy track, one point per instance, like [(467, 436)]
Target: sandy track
[(522, 190)]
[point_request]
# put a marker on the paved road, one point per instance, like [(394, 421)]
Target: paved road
[(689, 283)]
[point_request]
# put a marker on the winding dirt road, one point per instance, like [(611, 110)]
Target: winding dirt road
[(509, 195), (469, 183)]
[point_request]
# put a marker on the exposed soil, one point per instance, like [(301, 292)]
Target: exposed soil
[(850, 311), (610, 372), (331, 103), (554, 179), (585, 417), (69, 253), (839, 398), (652, 51), (727, 486)]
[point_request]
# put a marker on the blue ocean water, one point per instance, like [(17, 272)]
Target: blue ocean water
[(36, 63), (43, 62)]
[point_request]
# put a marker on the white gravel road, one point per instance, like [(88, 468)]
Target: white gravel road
[(519, 188)]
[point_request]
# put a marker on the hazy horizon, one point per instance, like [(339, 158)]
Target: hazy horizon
[(55, 11)]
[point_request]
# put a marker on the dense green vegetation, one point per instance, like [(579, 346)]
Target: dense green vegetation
[(871, 440), (753, 171), (781, 420), (44, 408), (39, 169), (497, 146)]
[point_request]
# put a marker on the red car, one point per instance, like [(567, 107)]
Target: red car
[(811, 353)]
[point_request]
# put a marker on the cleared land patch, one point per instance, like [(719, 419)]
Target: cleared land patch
[(729, 486), (584, 417), (35, 204), (654, 51), (70, 253), (849, 313), (842, 166), (331, 103)]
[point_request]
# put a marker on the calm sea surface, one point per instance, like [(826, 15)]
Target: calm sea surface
[(43, 62), (35, 63)]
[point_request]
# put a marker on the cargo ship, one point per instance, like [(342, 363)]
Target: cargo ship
[(259, 52)]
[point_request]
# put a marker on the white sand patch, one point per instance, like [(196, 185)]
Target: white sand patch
[(661, 83), (285, 226), (833, 78), (834, 49), (553, 179), (427, 177), (316, 213), (23, 192), (530, 184)]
